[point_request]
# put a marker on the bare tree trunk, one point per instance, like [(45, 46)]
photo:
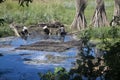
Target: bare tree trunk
[(12, 26), (79, 21), (99, 18), (117, 8)]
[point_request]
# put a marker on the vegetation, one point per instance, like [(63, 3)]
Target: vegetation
[(45, 11), (105, 67), (64, 11), (112, 60), (59, 74), (108, 32)]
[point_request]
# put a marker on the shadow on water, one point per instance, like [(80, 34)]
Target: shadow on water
[(25, 64)]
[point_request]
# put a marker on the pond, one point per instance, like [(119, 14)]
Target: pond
[(25, 64)]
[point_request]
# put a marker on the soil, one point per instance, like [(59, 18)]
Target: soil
[(51, 46)]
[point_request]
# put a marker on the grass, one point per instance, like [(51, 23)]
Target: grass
[(46, 11)]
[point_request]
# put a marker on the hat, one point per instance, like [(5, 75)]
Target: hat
[(44, 27), (24, 27)]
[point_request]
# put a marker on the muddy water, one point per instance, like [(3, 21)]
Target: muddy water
[(25, 64)]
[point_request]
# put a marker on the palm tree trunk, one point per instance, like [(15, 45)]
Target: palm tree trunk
[(99, 18), (117, 8), (79, 21)]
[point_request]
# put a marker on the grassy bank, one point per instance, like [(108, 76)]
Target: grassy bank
[(45, 11)]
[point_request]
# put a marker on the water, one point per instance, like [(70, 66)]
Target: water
[(25, 64)]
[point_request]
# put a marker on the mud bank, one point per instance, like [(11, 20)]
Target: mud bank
[(51, 46)]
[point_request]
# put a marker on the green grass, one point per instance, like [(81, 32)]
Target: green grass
[(47, 11), (98, 34)]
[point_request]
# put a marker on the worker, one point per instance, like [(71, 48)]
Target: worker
[(62, 32), (25, 32), (46, 32)]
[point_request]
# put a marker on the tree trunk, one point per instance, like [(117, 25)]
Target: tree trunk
[(117, 8), (79, 21), (99, 18), (12, 26)]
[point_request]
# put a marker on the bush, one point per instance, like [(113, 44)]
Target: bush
[(108, 32), (59, 74), (112, 57)]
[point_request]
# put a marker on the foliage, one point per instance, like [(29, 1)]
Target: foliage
[(46, 11), (47, 76), (111, 57), (90, 66), (99, 33), (87, 66), (114, 32), (5, 31), (111, 49), (108, 38), (85, 35), (110, 45), (64, 11), (59, 74), (38, 12)]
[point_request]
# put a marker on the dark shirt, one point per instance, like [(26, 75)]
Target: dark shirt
[(46, 31), (62, 31)]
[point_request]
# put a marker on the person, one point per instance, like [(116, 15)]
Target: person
[(62, 33), (46, 31), (25, 32)]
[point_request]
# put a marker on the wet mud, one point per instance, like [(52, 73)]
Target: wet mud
[(51, 46)]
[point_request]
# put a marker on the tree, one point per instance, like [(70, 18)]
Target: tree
[(99, 18), (112, 59), (79, 21), (116, 7), (116, 15)]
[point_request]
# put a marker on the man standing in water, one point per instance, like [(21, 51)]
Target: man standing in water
[(25, 32), (62, 33), (46, 31)]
